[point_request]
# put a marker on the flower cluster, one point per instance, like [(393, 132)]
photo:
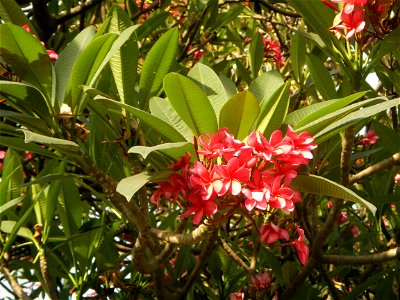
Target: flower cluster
[(272, 50), (53, 55), (369, 138), (364, 16), (231, 174)]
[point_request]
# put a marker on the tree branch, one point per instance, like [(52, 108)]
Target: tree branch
[(362, 259), (200, 233), (19, 292), (384, 164), (278, 9), (77, 10)]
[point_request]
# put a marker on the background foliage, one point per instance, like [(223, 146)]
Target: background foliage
[(85, 139)]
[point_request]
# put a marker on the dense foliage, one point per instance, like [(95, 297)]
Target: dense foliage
[(196, 149)]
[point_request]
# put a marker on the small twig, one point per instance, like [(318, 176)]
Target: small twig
[(77, 10), (19, 292), (279, 9), (362, 259), (234, 256), (384, 164), (205, 253)]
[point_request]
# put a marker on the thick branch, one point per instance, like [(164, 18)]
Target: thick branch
[(200, 233), (362, 259), (384, 164)]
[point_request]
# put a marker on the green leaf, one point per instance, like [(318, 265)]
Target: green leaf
[(85, 67), (155, 20), (318, 185), (173, 150), (27, 57), (310, 113), (256, 54), (124, 65), (297, 56), (9, 227), (10, 12), (19, 144), (69, 207), (265, 85), (31, 123), (67, 59), (9, 204), (353, 118), (130, 185), (11, 177), (321, 123), (119, 19), (46, 140), (239, 114), (191, 103), (212, 86), (157, 124), (273, 111), (321, 77), (25, 96), (162, 109), (157, 64)]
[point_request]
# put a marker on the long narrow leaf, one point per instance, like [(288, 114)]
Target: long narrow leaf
[(191, 103), (319, 185)]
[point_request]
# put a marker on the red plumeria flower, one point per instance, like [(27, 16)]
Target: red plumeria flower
[(236, 296), (199, 207), (397, 178), (270, 233), (350, 4), (369, 138), (301, 247), (351, 22), (260, 281), (202, 179), (259, 195), (52, 54), (230, 177)]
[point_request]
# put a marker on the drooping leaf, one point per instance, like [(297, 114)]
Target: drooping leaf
[(130, 185), (322, 186), (310, 113), (239, 113), (31, 123), (173, 150), (165, 130), (24, 96), (155, 20), (11, 177), (19, 144), (47, 140), (27, 57), (11, 12), (325, 120), (157, 64), (191, 103), (355, 117)]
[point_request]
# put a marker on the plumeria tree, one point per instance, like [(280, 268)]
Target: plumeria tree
[(200, 149)]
